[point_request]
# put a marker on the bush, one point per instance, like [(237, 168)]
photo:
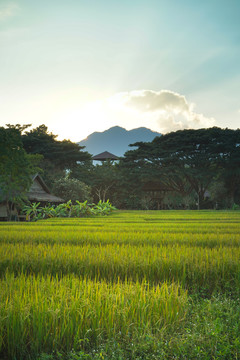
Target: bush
[(235, 207), (72, 189)]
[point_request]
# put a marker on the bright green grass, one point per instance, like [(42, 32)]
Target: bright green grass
[(136, 276)]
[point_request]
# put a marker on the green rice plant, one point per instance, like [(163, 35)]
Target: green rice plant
[(196, 269), (125, 228), (42, 314), (74, 282)]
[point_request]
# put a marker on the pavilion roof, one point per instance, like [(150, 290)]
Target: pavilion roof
[(105, 156)]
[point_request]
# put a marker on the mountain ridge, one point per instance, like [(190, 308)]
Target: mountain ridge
[(116, 140)]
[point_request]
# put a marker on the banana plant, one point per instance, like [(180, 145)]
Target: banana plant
[(48, 211), (103, 208), (32, 211), (64, 210), (82, 209)]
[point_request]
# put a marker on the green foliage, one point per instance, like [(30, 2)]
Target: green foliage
[(50, 211), (80, 209), (16, 167), (235, 207), (103, 208), (185, 165), (103, 179), (210, 331), (58, 156), (188, 160), (32, 211), (174, 200), (73, 189), (63, 154)]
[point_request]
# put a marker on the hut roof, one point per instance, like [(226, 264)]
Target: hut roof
[(38, 178), (40, 192), (105, 156), (44, 197)]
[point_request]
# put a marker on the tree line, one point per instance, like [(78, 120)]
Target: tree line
[(186, 169)]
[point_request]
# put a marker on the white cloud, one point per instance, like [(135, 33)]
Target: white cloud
[(148, 100), (170, 111), (7, 10)]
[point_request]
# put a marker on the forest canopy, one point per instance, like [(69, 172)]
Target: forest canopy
[(179, 170)]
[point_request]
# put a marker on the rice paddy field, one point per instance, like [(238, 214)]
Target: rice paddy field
[(133, 285)]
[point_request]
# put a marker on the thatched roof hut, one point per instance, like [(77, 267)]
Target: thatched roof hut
[(40, 192)]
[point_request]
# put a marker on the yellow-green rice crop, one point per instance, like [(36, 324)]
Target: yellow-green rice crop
[(44, 313), (138, 228), (193, 268), (66, 283)]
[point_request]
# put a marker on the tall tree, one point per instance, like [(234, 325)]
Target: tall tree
[(16, 167), (59, 156), (229, 149), (189, 160)]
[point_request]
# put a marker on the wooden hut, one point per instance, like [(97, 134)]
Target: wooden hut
[(156, 192), (38, 192), (3, 211)]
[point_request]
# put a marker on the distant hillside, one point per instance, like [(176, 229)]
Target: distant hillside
[(116, 140)]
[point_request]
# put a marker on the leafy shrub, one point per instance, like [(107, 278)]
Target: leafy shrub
[(72, 189), (235, 207), (80, 209)]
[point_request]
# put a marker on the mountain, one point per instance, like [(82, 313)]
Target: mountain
[(116, 140)]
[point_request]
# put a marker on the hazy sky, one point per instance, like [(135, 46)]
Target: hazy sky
[(80, 66)]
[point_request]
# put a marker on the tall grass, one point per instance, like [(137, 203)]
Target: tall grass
[(204, 229), (194, 268), (45, 314), (72, 283)]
